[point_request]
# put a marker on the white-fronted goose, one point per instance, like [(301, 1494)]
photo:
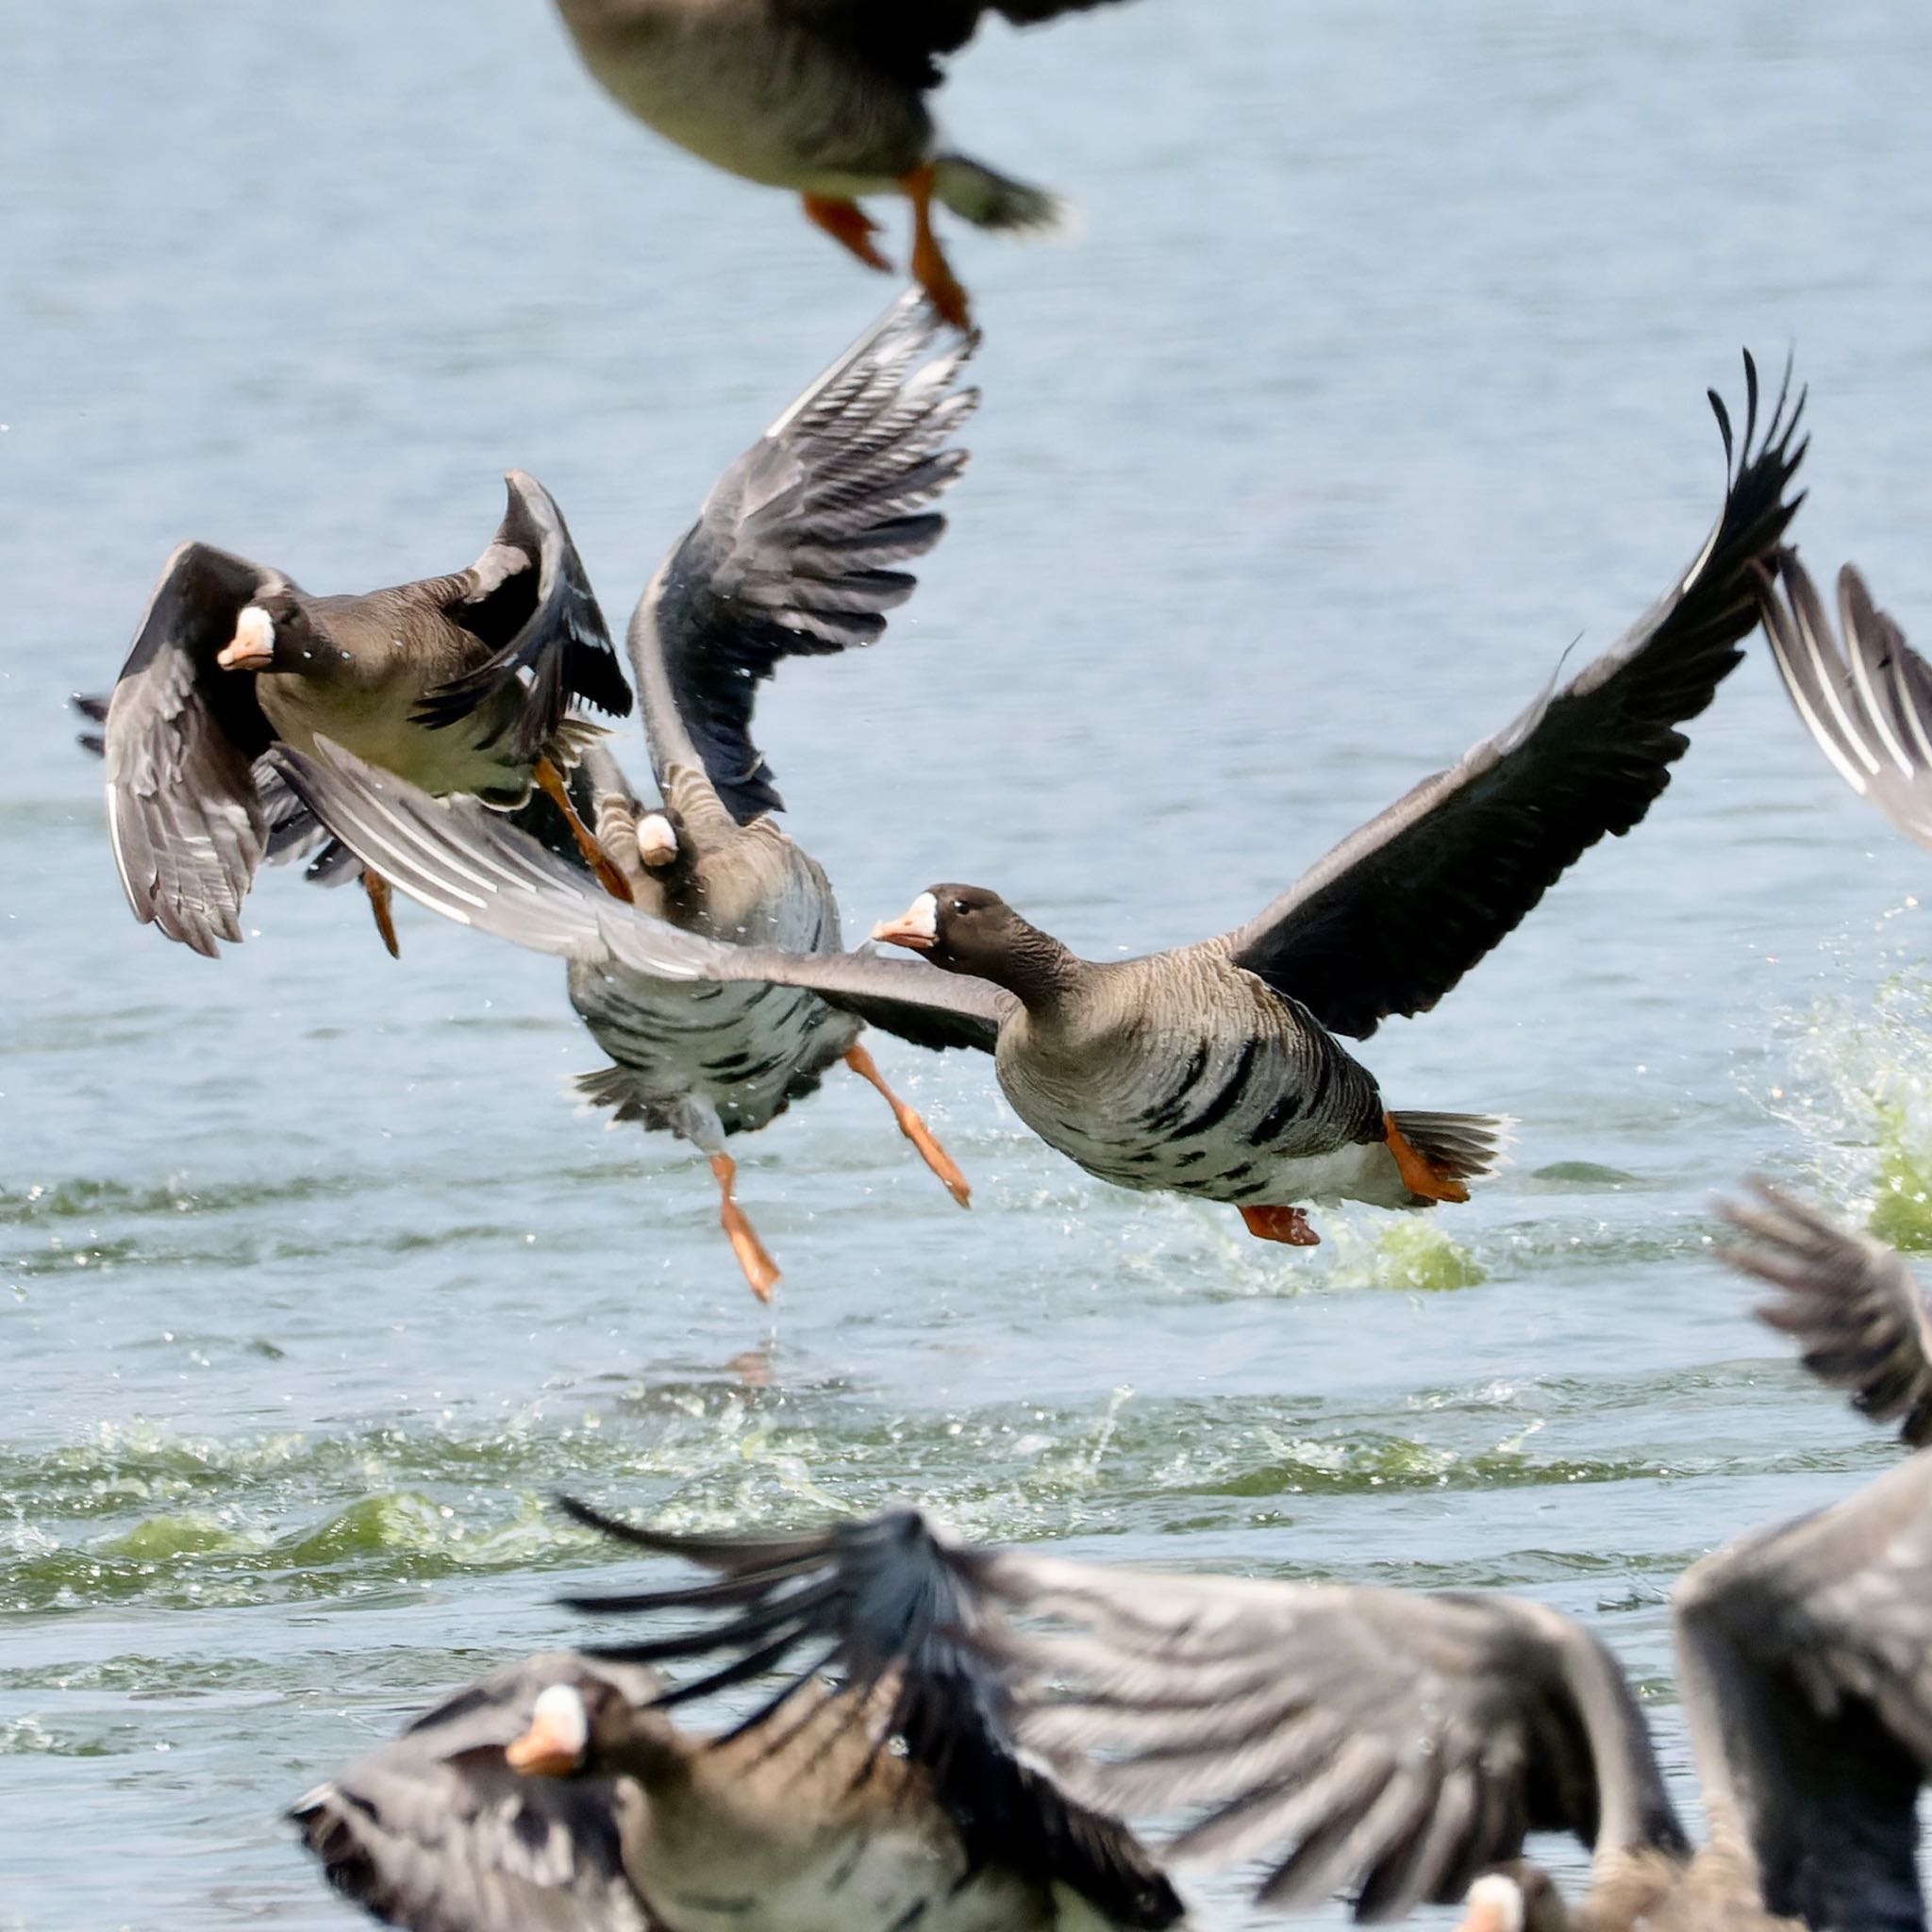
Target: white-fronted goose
[(824, 97), (798, 551), (1867, 701), (1399, 1747), (1213, 1071), (460, 684), (561, 1794)]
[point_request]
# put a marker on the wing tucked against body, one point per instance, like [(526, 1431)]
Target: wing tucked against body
[(1402, 908), (1804, 1663), (433, 1831), (181, 733), (797, 548), (1867, 702), (468, 864), (906, 41), (880, 1606), (531, 584)]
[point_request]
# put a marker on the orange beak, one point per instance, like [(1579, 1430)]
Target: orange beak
[(917, 927), (253, 646), (554, 1745)]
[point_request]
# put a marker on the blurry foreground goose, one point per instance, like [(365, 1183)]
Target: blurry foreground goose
[(1864, 694), (795, 553), (559, 1793), (1399, 1747), (461, 684), (1214, 1071), (824, 97)]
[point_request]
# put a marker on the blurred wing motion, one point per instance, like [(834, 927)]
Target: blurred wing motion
[(1850, 1302), (797, 548), (880, 1605), (434, 1832), (560, 651), (906, 41), (466, 863), (1805, 1656), (1401, 909), (1867, 701), (181, 733)]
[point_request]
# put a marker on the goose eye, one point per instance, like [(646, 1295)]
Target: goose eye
[(961, 907)]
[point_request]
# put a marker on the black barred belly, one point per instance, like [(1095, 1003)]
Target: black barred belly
[(744, 1047), (1226, 1120)]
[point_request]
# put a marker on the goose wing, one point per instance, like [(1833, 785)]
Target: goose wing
[(1867, 701), (798, 547), (880, 1605), (1401, 909), (1855, 1308), (906, 41), (1355, 1737), (1805, 1657), (468, 864), (531, 584), (179, 736), (433, 1831)]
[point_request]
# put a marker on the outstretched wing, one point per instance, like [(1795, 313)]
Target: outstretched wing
[(433, 1831), (1401, 909), (1867, 702), (1805, 1658), (798, 547), (558, 646), (906, 41), (468, 864), (879, 1604), (1852, 1304), (1354, 1738), (180, 735)]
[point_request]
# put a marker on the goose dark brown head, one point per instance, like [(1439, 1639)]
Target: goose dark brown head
[(972, 929), (274, 633)]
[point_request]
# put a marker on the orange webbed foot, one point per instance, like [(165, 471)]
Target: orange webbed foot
[(915, 1129), (380, 895), (760, 1272), (848, 225), (1420, 1174), (1288, 1225), (549, 781), (930, 268)]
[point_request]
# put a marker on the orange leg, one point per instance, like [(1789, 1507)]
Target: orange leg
[(381, 892), (930, 268), (760, 1270), (550, 783), (848, 225), (1420, 1174), (1290, 1224), (912, 1127)]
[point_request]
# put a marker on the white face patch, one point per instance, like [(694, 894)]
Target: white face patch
[(1495, 1904), (559, 1715), (657, 839), (922, 916)]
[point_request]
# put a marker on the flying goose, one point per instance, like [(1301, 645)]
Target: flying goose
[(561, 1794), (460, 683), (1399, 1746), (824, 97), (797, 552), (1866, 701), (1214, 1071)]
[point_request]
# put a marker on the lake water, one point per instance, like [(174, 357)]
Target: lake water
[(1373, 381)]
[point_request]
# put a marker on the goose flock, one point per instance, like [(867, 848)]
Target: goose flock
[(919, 1731)]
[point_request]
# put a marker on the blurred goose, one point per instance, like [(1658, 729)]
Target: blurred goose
[(1866, 701), (1214, 1071), (824, 97), (559, 1793), (460, 683), (1400, 1746), (797, 552)]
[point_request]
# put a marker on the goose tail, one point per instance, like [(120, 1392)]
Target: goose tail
[(991, 200)]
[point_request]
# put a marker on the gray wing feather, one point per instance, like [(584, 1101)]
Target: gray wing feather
[(1402, 908), (1850, 1302), (1349, 1736), (470, 865), (797, 548), (187, 828), (1867, 702), (434, 1832), (1806, 1670)]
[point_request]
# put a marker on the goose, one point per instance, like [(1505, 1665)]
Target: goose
[(797, 552), (824, 97), (560, 1792), (1400, 1746), (1866, 701), (460, 683), (1214, 1071)]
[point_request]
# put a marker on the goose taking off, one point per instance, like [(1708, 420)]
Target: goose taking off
[(824, 97), (1214, 1070), (460, 683)]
